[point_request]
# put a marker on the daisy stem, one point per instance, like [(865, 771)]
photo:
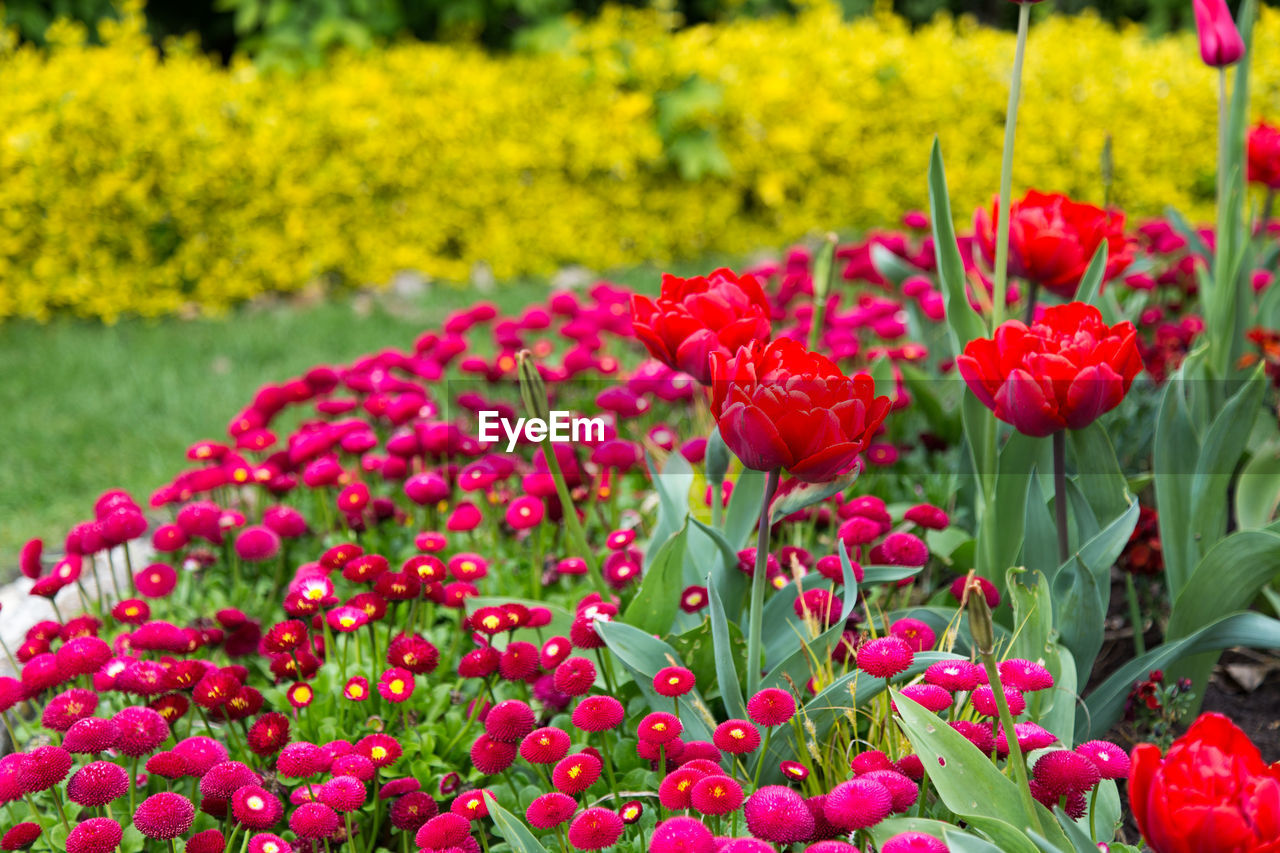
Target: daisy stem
[(608, 762), (756, 613), (133, 784), (1093, 803), (764, 749), (128, 564), (1011, 737)]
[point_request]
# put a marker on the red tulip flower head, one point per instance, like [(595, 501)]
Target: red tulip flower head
[(1220, 42), (1052, 239), (1264, 155), (694, 318), (781, 406), (1062, 372), (1211, 792)]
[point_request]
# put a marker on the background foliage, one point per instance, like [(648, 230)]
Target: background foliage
[(141, 184), (293, 32)]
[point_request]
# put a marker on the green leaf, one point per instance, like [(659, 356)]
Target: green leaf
[(717, 457), (1079, 839), (1092, 279), (726, 655), (642, 656), (728, 579), (962, 320), (798, 664), (672, 486), (656, 603), (743, 512), (808, 494), (971, 786), (1228, 578), (888, 828), (959, 841), (1105, 704), (1258, 488), (1098, 472), (881, 372), (514, 831), (893, 267), (1175, 450)]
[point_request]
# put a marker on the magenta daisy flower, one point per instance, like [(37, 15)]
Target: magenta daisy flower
[(954, 675), (491, 756), (736, 737), (778, 815), (574, 676), (95, 835), (715, 795), (595, 829), (659, 727), (545, 745), (410, 811), (598, 713), (857, 804), (672, 681), (343, 794), (884, 657), (509, 721), (314, 821), (1112, 761), (676, 789), (396, 685), (140, 730), (913, 842), (97, 784), (681, 835), (771, 707), (164, 816), (256, 808), (1064, 772), (576, 773)]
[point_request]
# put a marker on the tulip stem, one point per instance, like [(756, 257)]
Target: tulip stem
[(1010, 736), (1033, 290), (1267, 207), (1000, 285), (1060, 492), (756, 613)]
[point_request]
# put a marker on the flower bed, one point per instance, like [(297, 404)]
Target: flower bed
[(497, 590), (136, 185)]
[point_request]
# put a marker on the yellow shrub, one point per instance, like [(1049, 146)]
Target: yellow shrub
[(131, 183)]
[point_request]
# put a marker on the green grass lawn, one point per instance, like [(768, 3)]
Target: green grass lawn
[(88, 407)]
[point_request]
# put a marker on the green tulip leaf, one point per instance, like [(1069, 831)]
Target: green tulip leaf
[(513, 830), (656, 602)]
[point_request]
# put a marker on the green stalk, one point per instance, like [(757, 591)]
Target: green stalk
[(756, 613), (1135, 616), (1006, 171), (1060, 493)]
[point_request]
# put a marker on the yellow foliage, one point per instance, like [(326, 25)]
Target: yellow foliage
[(135, 183)]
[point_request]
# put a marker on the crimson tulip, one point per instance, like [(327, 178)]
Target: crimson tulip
[(1052, 239), (1264, 155), (1211, 794), (781, 406), (1220, 42), (694, 318), (1062, 372)]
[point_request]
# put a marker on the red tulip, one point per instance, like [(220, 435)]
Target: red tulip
[(1211, 794), (1264, 155), (781, 406), (1220, 42), (1063, 372), (696, 317), (1052, 239)]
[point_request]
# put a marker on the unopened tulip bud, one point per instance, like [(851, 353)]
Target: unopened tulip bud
[(979, 618), (533, 391), (1220, 42)]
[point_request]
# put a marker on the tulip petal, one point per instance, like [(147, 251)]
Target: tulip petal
[(1022, 402), (754, 439)]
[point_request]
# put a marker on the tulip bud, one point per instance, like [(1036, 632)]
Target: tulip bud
[(717, 458), (1220, 42), (533, 391), (979, 618)]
